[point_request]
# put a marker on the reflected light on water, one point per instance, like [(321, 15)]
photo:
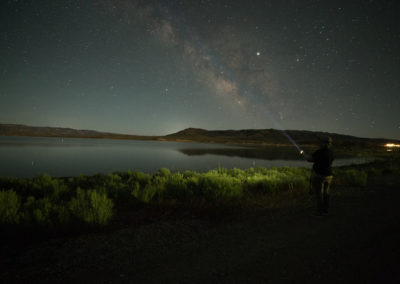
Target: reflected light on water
[(391, 146)]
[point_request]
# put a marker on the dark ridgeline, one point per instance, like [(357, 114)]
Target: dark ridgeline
[(23, 130), (265, 137), (271, 137)]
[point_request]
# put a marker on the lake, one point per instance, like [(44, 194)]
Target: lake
[(61, 157)]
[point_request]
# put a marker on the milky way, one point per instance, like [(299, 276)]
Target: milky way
[(155, 67)]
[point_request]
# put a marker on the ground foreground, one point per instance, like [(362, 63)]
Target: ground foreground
[(356, 242)]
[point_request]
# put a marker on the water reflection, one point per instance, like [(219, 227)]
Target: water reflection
[(31, 156), (270, 153)]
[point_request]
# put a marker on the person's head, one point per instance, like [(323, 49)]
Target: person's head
[(326, 141)]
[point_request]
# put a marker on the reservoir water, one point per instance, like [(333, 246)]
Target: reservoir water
[(61, 157)]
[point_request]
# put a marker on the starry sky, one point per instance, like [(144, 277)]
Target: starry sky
[(157, 67)]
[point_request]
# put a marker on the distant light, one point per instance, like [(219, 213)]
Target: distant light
[(301, 152), (258, 53), (391, 145)]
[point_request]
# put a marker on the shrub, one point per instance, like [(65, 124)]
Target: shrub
[(41, 214), (44, 212), (190, 174), (81, 181), (91, 207), (238, 173), (192, 183), (276, 180), (374, 172), (163, 172), (176, 187), (21, 186), (147, 193), (138, 177), (214, 187), (115, 187), (9, 207), (262, 183), (250, 171), (45, 186), (353, 177)]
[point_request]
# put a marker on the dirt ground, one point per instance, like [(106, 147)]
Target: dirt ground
[(358, 242)]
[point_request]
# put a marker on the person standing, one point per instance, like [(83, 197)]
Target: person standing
[(321, 175)]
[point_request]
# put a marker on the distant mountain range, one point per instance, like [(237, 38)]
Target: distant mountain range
[(23, 130), (248, 136), (270, 137)]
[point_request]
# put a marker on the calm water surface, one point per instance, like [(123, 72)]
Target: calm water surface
[(31, 156)]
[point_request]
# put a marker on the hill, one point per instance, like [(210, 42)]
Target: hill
[(23, 130), (246, 136), (269, 137)]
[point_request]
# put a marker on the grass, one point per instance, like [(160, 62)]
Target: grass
[(95, 200)]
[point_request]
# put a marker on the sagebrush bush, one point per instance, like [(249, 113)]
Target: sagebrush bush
[(176, 187), (352, 177), (148, 193), (237, 173), (145, 194), (45, 186), (44, 211), (115, 187), (374, 172), (275, 180), (9, 207), (163, 172), (41, 214), (190, 174), (91, 207), (138, 177), (215, 187)]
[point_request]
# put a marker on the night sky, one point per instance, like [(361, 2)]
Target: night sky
[(157, 67)]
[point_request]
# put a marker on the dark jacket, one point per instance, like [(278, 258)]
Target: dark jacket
[(323, 161)]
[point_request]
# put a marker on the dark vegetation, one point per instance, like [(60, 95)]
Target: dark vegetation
[(97, 200)]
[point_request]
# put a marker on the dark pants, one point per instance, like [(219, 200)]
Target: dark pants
[(320, 187)]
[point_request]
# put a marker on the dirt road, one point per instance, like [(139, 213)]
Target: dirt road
[(357, 243)]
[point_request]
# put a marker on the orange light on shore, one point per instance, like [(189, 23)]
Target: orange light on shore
[(390, 145)]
